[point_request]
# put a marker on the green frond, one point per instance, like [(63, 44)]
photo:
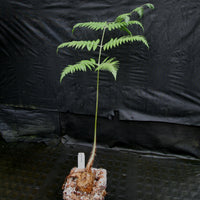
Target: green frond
[(124, 28), (140, 10), (124, 17), (120, 25), (91, 25), (127, 19), (80, 66), (124, 39), (135, 22), (91, 45), (110, 65), (114, 25), (149, 5)]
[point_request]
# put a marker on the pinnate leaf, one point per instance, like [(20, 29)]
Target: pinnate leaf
[(140, 10), (91, 25), (110, 65), (121, 25), (90, 45), (80, 66), (124, 39), (123, 18)]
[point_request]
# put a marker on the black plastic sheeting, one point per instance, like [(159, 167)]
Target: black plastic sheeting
[(33, 125), (159, 84), (154, 136), (28, 125)]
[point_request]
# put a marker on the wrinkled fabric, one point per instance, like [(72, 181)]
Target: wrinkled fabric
[(157, 84)]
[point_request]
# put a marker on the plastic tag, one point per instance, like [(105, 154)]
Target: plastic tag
[(81, 160)]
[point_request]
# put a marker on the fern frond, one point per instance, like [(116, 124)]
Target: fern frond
[(114, 25), (120, 25), (135, 22), (91, 25), (110, 65), (140, 10), (124, 17), (124, 39), (80, 66), (91, 45), (149, 5), (124, 28)]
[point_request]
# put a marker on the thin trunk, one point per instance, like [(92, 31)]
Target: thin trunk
[(91, 159)]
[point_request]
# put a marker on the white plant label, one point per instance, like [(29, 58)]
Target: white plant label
[(81, 160)]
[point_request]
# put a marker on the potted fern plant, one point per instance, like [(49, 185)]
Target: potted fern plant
[(89, 183)]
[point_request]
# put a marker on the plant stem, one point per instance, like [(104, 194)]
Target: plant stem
[(91, 159)]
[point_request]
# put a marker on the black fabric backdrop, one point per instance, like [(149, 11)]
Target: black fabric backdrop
[(160, 84)]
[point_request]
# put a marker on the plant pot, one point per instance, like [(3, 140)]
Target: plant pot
[(95, 189)]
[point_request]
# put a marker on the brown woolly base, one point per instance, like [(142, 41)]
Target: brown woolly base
[(84, 185)]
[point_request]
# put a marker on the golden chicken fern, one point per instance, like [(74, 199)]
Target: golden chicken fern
[(122, 22)]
